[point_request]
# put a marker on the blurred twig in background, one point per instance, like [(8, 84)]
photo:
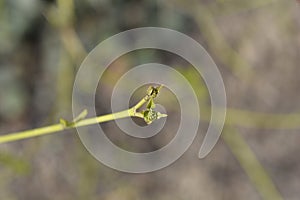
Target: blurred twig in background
[(253, 168)]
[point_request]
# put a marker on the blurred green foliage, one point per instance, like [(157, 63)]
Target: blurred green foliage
[(17, 165)]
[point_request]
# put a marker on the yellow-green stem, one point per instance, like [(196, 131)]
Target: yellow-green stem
[(60, 127), (78, 122)]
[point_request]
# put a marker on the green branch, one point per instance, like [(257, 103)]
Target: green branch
[(149, 115)]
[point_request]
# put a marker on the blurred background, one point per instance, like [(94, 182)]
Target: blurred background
[(256, 46)]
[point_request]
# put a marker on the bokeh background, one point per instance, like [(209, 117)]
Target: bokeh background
[(256, 46)]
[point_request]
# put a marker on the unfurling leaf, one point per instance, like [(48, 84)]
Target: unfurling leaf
[(150, 104), (152, 92)]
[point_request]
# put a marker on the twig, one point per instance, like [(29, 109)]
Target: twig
[(149, 115)]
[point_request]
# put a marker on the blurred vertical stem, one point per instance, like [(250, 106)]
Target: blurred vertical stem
[(64, 85), (62, 17)]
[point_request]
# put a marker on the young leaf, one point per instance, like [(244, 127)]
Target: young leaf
[(150, 104), (81, 116)]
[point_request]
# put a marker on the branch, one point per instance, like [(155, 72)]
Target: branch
[(149, 115)]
